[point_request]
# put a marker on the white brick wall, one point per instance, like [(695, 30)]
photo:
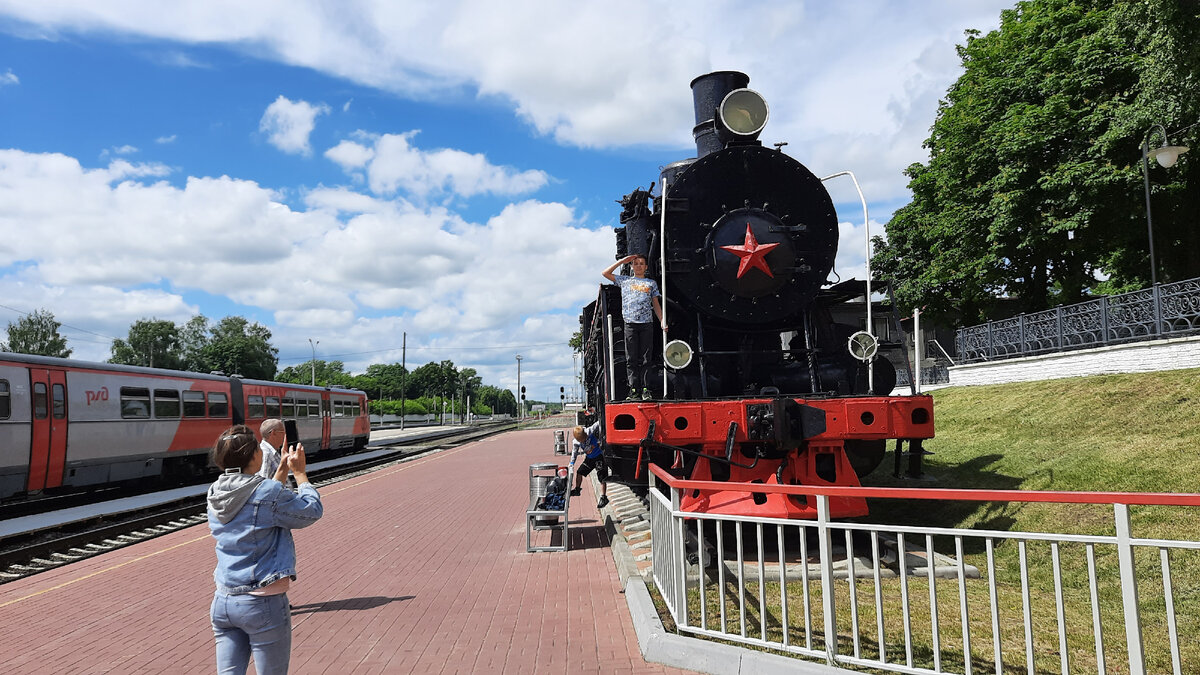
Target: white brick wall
[(1138, 357)]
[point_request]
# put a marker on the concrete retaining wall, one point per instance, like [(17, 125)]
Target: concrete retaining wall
[(1137, 357)]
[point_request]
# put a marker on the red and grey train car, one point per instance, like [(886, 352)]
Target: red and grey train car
[(71, 424), (759, 383)]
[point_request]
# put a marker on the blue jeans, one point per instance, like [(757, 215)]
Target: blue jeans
[(249, 623)]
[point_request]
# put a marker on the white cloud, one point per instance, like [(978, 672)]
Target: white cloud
[(851, 85), (102, 247), (124, 150), (350, 155), (165, 140), (393, 164), (288, 124)]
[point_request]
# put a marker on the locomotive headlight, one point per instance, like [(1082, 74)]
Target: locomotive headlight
[(744, 112), (863, 346), (677, 354)]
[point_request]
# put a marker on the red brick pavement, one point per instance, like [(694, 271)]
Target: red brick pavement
[(418, 568)]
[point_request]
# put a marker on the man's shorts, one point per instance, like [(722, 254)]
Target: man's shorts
[(596, 463)]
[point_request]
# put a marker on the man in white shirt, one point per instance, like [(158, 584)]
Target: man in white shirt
[(273, 438)]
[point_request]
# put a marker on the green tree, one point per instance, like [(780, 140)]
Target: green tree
[(151, 342), (390, 377), (237, 346), (1033, 189), (327, 373), (36, 333), (193, 338)]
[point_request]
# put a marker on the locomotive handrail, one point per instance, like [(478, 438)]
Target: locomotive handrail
[(950, 494)]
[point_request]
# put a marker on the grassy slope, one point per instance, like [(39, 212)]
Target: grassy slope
[(1122, 433)]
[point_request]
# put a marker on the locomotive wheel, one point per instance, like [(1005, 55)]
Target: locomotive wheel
[(865, 456)]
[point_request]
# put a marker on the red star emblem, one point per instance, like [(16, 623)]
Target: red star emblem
[(752, 254)]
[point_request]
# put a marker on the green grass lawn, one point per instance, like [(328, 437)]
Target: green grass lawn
[(1123, 433)]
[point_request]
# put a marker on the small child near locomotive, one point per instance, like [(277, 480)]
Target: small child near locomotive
[(639, 297), (587, 441)]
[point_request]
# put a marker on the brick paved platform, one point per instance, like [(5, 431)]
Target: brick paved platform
[(418, 568)]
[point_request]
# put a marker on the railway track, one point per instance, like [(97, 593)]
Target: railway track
[(37, 551)]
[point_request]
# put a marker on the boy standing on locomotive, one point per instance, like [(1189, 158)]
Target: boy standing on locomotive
[(639, 296)]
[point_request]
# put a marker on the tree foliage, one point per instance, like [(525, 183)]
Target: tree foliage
[(151, 342), (36, 333), (237, 346), (233, 346), (1033, 189), (325, 373)]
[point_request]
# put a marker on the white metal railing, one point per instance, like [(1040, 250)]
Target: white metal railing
[(1058, 603)]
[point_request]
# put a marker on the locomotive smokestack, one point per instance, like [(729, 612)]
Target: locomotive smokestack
[(707, 93)]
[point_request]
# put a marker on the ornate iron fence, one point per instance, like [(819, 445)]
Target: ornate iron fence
[(1166, 310)]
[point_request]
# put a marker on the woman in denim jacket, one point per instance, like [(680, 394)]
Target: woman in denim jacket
[(252, 519)]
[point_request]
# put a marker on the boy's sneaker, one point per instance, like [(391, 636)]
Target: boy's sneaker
[(575, 492), (603, 502), (646, 395)]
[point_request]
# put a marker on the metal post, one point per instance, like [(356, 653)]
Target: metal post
[(662, 273), (403, 375), (612, 368), (917, 347), (867, 237), (313, 363), (520, 403), (1104, 319), (1149, 219), (825, 541), (1129, 591)]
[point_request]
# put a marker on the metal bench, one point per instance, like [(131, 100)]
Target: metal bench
[(542, 519)]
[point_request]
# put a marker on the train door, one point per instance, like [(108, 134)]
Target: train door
[(326, 421), (48, 441)]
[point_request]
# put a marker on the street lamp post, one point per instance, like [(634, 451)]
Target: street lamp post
[(313, 345), (1166, 155)]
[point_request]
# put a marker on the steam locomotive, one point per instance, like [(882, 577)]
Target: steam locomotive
[(758, 384)]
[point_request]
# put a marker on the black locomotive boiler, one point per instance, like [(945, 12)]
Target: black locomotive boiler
[(757, 382)]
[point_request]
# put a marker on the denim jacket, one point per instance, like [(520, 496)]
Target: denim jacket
[(252, 519)]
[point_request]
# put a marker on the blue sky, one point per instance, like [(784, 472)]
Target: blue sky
[(347, 172)]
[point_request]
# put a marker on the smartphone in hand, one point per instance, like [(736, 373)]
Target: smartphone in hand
[(293, 434)]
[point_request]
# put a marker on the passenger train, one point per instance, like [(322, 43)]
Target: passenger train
[(71, 424), (760, 384)]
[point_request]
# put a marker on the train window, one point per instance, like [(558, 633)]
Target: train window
[(60, 401), (289, 408), (254, 407), (218, 405), (5, 401), (273, 406), (166, 403), (339, 409), (135, 402), (193, 403), (39, 401)]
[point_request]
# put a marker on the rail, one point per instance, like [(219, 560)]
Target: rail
[(1080, 609), (1164, 310)]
